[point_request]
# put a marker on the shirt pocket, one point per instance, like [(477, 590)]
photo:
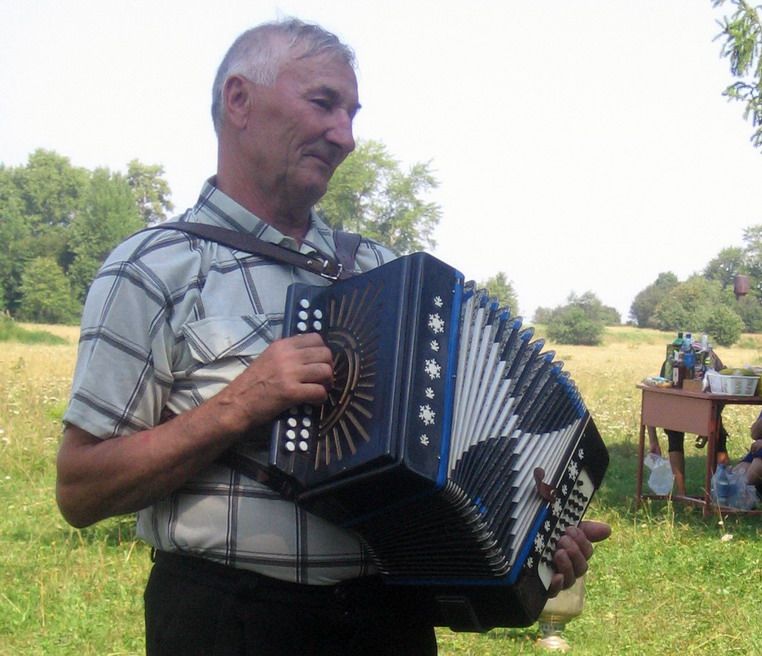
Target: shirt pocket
[(220, 343)]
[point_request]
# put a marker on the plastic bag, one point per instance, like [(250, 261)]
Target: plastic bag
[(744, 496), (661, 478)]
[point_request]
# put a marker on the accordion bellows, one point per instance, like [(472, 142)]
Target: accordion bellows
[(451, 443)]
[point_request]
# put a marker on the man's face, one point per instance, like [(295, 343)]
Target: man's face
[(301, 128)]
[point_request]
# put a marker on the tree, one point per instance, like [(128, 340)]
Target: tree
[(501, 288), (742, 45), (647, 300), (370, 194), (689, 306), (750, 310), (752, 257), (581, 321), (46, 296), (724, 326), (724, 267), (151, 191), (52, 190), (109, 214), (573, 326), (13, 231)]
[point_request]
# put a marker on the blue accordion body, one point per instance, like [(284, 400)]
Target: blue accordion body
[(451, 443)]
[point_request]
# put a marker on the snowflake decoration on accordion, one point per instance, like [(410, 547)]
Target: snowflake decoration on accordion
[(429, 393), (434, 345), (539, 543), (573, 469), (433, 369), (427, 415), (558, 508), (438, 301), (424, 440), (436, 323)]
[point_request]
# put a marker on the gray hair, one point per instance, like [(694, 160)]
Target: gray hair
[(259, 53)]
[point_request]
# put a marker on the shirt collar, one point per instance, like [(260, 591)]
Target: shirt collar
[(217, 208)]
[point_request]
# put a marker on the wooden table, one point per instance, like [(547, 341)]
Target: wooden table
[(688, 412)]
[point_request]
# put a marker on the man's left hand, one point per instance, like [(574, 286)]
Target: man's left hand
[(574, 551)]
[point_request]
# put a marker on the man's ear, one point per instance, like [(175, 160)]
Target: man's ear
[(236, 96)]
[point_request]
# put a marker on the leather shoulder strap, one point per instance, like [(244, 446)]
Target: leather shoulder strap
[(347, 244), (322, 265)]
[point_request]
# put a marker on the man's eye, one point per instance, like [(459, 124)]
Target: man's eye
[(322, 103)]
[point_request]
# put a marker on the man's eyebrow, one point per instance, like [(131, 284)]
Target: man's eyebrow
[(334, 96)]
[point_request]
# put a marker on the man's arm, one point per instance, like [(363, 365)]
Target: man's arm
[(102, 478), (756, 429)]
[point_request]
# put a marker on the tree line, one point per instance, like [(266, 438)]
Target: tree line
[(706, 302), (58, 221)]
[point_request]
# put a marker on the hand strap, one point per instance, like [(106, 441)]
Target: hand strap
[(320, 264)]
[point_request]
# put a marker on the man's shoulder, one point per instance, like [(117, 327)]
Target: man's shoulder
[(372, 254)]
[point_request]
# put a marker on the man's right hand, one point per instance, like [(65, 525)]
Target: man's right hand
[(289, 372)]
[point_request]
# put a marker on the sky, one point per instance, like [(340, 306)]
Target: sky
[(579, 145)]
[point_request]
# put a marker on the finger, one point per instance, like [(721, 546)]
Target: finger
[(595, 531), (572, 556), (569, 562), (316, 355), (305, 340), (556, 585)]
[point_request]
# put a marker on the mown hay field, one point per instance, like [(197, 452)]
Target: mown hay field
[(668, 580)]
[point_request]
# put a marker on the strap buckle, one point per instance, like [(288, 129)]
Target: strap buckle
[(325, 267), (338, 268)]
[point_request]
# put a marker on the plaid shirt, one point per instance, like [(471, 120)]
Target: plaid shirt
[(169, 321)]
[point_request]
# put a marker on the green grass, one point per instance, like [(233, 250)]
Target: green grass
[(10, 331), (664, 583)]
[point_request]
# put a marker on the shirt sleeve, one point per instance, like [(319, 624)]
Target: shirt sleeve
[(123, 374)]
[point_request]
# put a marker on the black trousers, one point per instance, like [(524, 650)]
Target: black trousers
[(195, 607)]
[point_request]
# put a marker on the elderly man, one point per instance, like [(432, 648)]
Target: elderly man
[(181, 358)]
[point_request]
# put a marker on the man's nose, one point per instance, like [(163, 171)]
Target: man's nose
[(341, 132)]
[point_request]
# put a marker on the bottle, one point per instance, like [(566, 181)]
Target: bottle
[(667, 367), (689, 357), (722, 490), (689, 362), (678, 370)]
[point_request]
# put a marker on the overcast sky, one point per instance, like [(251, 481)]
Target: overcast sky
[(580, 145)]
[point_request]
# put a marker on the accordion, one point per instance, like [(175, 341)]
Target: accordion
[(451, 443)]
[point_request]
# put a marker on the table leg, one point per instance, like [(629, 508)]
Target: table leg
[(641, 455), (711, 458)]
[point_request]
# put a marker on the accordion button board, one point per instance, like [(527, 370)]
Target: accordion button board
[(452, 443)]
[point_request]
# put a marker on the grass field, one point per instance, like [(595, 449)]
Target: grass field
[(664, 583)]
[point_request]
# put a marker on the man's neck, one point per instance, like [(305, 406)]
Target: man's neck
[(292, 222)]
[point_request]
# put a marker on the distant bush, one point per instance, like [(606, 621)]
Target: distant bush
[(574, 326), (725, 326)]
